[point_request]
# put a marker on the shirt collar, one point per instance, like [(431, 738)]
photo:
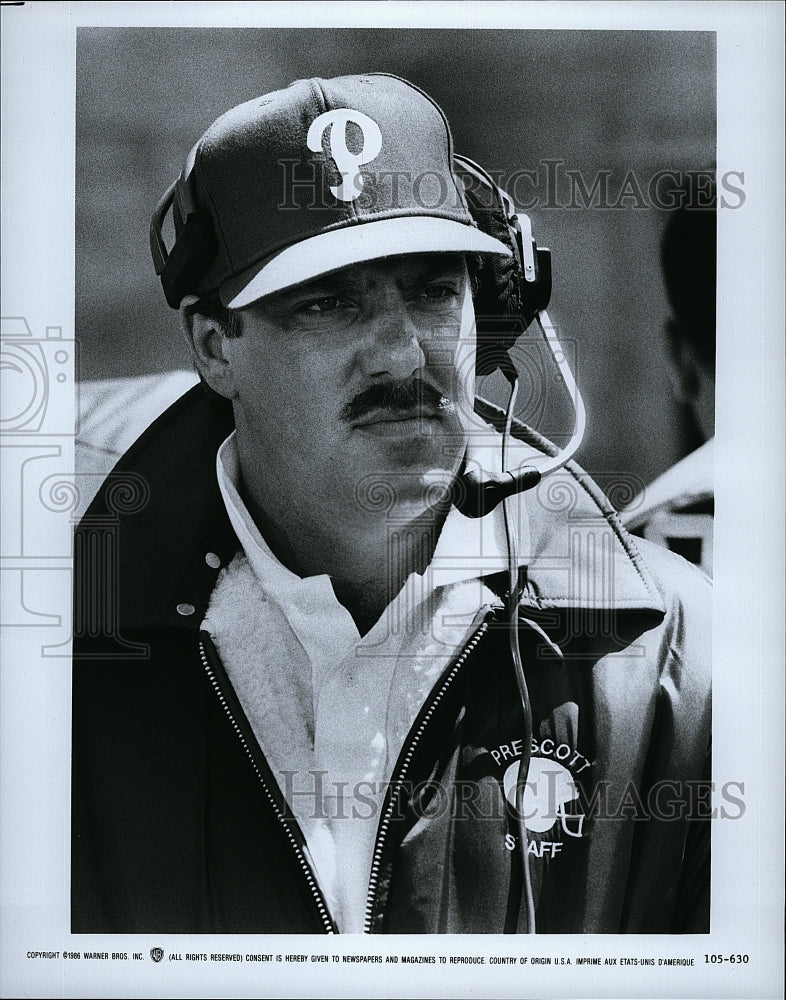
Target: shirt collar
[(576, 552), (467, 549)]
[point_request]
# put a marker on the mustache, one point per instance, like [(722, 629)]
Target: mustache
[(408, 394)]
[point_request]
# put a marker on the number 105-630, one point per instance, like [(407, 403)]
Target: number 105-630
[(720, 959)]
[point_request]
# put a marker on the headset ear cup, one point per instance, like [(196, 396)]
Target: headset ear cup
[(183, 268), (498, 297), (497, 311), (191, 256)]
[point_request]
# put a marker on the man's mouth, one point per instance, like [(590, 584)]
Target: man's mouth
[(401, 406), (406, 415)]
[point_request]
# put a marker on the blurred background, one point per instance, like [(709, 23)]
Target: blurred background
[(629, 104)]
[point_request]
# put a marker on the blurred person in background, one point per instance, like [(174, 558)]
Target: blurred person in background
[(677, 509)]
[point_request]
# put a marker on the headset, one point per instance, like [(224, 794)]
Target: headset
[(510, 294), (181, 268)]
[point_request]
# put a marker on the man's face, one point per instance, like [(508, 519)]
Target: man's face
[(355, 390)]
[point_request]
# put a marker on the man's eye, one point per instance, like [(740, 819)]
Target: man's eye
[(327, 304), (439, 293)]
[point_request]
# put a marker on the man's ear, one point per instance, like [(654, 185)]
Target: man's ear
[(682, 365), (692, 380), (205, 339)]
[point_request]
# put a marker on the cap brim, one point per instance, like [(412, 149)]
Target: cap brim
[(339, 248)]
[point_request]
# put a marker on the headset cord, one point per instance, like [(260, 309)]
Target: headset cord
[(563, 454), (515, 651)]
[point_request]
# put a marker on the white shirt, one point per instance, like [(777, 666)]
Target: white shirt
[(321, 698)]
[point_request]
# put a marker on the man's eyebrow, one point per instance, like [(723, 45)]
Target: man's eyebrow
[(448, 267)]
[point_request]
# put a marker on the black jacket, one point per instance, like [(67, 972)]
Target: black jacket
[(179, 826)]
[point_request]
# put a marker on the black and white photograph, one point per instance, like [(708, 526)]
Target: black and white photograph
[(376, 589)]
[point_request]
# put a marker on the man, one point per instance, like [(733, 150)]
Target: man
[(297, 698), (678, 508)]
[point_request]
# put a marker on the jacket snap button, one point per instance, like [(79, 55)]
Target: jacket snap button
[(213, 560), (185, 609)]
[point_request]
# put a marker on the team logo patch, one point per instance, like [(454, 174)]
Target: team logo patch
[(551, 806), (348, 163), (549, 788)]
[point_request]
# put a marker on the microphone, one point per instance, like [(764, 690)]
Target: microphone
[(477, 492)]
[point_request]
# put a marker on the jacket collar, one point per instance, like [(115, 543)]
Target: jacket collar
[(170, 548), (580, 555)]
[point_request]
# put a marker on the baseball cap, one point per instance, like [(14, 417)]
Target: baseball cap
[(310, 179)]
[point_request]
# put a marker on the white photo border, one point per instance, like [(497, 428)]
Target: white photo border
[(38, 167)]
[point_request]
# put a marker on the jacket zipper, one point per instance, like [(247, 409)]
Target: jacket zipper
[(398, 779), (327, 922)]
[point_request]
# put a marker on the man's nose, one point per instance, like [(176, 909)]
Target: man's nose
[(393, 346)]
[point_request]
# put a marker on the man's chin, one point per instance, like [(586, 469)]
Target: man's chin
[(404, 494)]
